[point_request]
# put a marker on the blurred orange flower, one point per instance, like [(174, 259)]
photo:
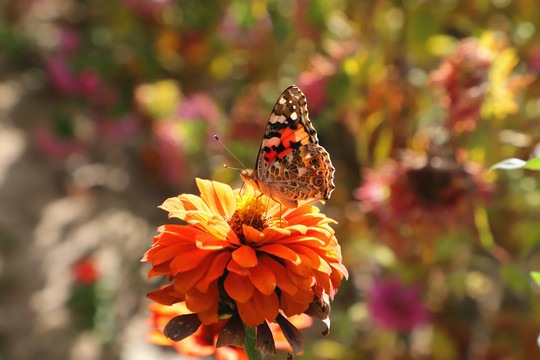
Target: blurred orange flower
[(237, 258)]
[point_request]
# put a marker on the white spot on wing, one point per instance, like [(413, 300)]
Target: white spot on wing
[(277, 118), (294, 116)]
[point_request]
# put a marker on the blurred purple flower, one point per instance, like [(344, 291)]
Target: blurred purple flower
[(199, 106), (394, 306), (146, 8), (54, 146), (61, 75), (171, 155), (119, 129), (70, 40), (89, 82)]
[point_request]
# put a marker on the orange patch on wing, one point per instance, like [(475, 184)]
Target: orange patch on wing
[(284, 152), (297, 135)]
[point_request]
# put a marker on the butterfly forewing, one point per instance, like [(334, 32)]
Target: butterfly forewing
[(291, 166)]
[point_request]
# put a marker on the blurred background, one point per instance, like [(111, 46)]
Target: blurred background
[(109, 107)]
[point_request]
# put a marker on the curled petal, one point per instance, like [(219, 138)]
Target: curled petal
[(182, 326), (163, 295), (232, 333), (265, 340), (291, 333)]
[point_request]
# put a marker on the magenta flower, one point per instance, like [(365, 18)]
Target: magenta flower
[(199, 106), (55, 146), (394, 306), (89, 82), (70, 40), (60, 75)]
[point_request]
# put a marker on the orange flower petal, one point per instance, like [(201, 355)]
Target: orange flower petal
[(230, 353), (161, 269), (302, 282), (249, 313), (291, 307), (273, 233), (188, 260), (218, 196), (215, 270), (280, 251), (186, 207), (341, 268), (252, 235), (283, 281), (233, 266), (238, 287), (155, 336), (317, 263), (185, 281), (263, 278), (163, 296), (302, 268), (160, 254), (210, 315), (245, 256), (197, 301), (268, 305), (324, 281)]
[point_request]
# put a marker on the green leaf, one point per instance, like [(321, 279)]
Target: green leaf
[(533, 164), (513, 163), (509, 164), (536, 276)]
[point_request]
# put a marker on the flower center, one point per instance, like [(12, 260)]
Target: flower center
[(249, 211)]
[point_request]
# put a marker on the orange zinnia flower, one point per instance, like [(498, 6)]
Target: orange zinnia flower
[(237, 258)]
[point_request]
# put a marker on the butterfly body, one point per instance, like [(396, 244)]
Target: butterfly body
[(291, 165)]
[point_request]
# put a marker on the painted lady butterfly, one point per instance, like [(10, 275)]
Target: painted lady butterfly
[(291, 165)]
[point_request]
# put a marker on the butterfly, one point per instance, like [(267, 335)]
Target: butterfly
[(291, 165)]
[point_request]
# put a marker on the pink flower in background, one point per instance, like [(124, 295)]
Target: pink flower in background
[(70, 40), (394, 306), (463, 76), (89, 82), (199, 106), (146, 8), (60, 75), (54, 146), (118, 129), (425, 193), (170, 151)]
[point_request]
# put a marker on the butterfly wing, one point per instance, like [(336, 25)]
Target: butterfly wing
[(291, 165), (288, 128)]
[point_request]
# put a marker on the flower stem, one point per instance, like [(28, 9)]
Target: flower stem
[(249, 344)]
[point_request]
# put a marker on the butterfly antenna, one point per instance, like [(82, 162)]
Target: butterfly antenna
[(230, 152)]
